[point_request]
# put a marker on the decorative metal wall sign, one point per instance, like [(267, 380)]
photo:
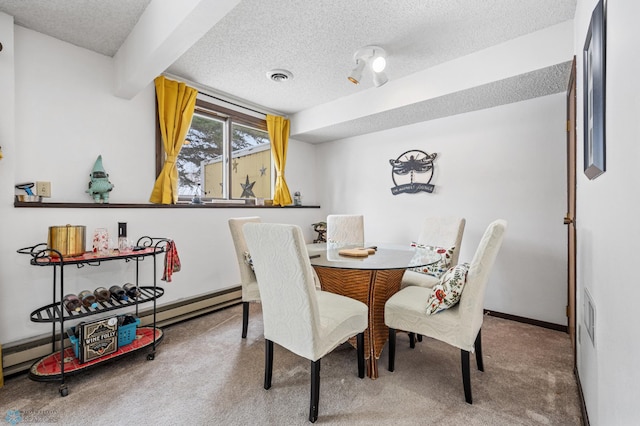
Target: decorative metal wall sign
[(412, 172)]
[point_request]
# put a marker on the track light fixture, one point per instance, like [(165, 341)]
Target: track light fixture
[(356, 74), (379, 78), (375, 56)]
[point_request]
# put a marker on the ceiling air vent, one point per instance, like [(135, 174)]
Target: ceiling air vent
[(279, 76)]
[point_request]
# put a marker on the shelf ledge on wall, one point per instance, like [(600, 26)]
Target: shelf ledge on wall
[(217, 205)]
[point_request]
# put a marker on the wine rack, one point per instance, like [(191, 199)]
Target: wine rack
[(55, 312)]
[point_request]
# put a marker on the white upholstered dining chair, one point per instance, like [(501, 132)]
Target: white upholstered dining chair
[(458, 325), (345, 230), (296, 316), (250, 291), (443, 232)]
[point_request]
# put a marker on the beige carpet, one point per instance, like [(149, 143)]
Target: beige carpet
[(205, 374)]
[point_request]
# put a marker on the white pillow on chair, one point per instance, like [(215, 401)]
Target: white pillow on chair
[(447, 292), (247, 259)]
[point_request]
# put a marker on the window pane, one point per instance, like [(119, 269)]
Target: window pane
[(205, 145), (226, 154), (251, 163)]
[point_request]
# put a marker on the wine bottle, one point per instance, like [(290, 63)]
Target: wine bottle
[(72, 303), (102, 294), (88, 299), (132, 290), (118, 293)]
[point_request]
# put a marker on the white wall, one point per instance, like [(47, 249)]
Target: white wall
[(7, 116), (505, 162), (65, 115), (608, 227)]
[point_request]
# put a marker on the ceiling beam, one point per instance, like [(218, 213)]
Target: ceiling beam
[(536, 51), (165, 31)]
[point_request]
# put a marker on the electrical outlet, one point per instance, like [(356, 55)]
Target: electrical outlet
[(43, 189)]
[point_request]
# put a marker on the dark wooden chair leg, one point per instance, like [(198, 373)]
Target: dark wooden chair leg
[(268, 363), (245, 319), (360, 350), (315, 391), (392, 348), (478, 346), (419, 336), (466, 375), (412, 340)]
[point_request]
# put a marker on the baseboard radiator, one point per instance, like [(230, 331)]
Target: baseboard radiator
[(19, 356)]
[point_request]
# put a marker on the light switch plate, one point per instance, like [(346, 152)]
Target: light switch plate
[(43, 189)]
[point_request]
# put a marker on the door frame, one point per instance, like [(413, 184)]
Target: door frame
[(570, 217)]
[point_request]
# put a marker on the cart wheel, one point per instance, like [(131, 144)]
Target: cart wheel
[(63, 390), (151, 356)]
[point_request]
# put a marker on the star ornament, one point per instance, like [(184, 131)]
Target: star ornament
[(247, 189)]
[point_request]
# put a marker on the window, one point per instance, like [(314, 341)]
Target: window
[(218, 166)]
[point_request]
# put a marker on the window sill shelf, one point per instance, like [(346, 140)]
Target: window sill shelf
[(47, 205)]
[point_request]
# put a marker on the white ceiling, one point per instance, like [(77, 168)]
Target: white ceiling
[(316, 40)]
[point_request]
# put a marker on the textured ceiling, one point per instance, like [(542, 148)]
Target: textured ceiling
[(316, 40), (98, 25)]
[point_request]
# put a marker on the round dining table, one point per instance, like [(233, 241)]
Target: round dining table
[(372, 280)]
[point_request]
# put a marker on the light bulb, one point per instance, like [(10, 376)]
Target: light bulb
[(378, 64)]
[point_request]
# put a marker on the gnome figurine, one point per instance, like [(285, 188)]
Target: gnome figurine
[(99, 186)]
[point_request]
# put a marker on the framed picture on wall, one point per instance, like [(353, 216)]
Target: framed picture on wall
[(594, 93)]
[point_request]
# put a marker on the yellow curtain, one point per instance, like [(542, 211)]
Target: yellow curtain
[(176, 102), (278, 128)]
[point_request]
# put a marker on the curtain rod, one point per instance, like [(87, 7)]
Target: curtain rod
[(232, 103), (223, 97)]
